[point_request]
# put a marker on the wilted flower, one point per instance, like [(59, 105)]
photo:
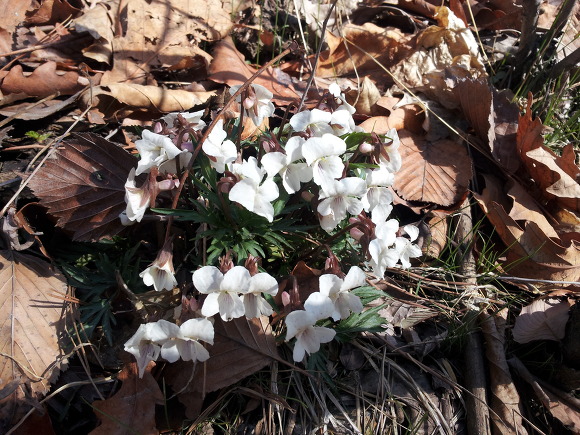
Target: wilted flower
[(338, 291), (160, 273), (301, 324), (154, 149), (222, 290), (258, 103)]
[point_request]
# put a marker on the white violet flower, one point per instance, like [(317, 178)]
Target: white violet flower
[(192, 332), (258, 104), (301, 324), (154, 149), (254, 303), (292, 173), (338, 198), (160, 273), (220, 151), (194, 118), (222, 290), (337, 290), (315, 121), (323, 155)]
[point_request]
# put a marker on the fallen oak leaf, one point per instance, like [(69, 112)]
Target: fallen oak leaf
[(83, 185), (543, 319), (557, 176)]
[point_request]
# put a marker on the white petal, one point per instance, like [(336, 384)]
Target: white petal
[(231, 306), (412, 231), (237, 280), (211, 305), (244, 192), (162, 331), (274, 162), (326, 169), (329, 285), (207, 279), (354, 278), (297, 321), (300, 121), (319, 306), (263, 283), (198, 329), (169, 351)]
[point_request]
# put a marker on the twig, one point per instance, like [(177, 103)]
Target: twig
[(530, 12), (478, 422)]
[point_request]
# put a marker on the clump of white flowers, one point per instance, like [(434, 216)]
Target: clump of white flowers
[(310, 158)]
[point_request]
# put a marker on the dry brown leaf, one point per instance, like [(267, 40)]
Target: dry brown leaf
[(31, 331), (557, 176), (429, 173), (437, 241), (561, 405), (543, 319), (153, 100), (347, 54), (531, 253), (42, 82), (505, 400), (83, 185), (99, 24), (364, 98), (13, 13), (446, 50), (132, 409), (493, 117), (403, 315), (241, 347), (409, 117), (36, 110), (51, 12), (229, 66)]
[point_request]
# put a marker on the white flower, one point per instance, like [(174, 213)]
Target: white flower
[(341, 122), (192, 332), (254, 303), (154, 149), (377, 194), (222, 290), (253, 194), (338, 292), (316, 121), (336, 92), (258, 104), (301, 324), (146, 344), (292, 173), (220, 151), (194, 118), (137, 199), (405, 247), (390, 158), (322, 154), (383, 253), (338, 198), (160, 273)]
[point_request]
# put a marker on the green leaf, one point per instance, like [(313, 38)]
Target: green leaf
[(367, 321)]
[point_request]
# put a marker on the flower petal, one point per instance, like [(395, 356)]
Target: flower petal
[(207, 279)]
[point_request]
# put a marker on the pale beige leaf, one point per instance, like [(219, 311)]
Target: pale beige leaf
[(403, 315), (437, 172), (543, 319), (31, 327)]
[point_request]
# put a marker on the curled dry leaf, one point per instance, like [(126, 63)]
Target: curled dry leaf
[(51, 12), (83, 186), (360, 49), (543, 319), (133, 406), (557, 176), (153, 99), (241, 347), (31, 329), (436, 172), (42, 82), (534, 248), (229, 66), (408, 116), (446, 50)]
